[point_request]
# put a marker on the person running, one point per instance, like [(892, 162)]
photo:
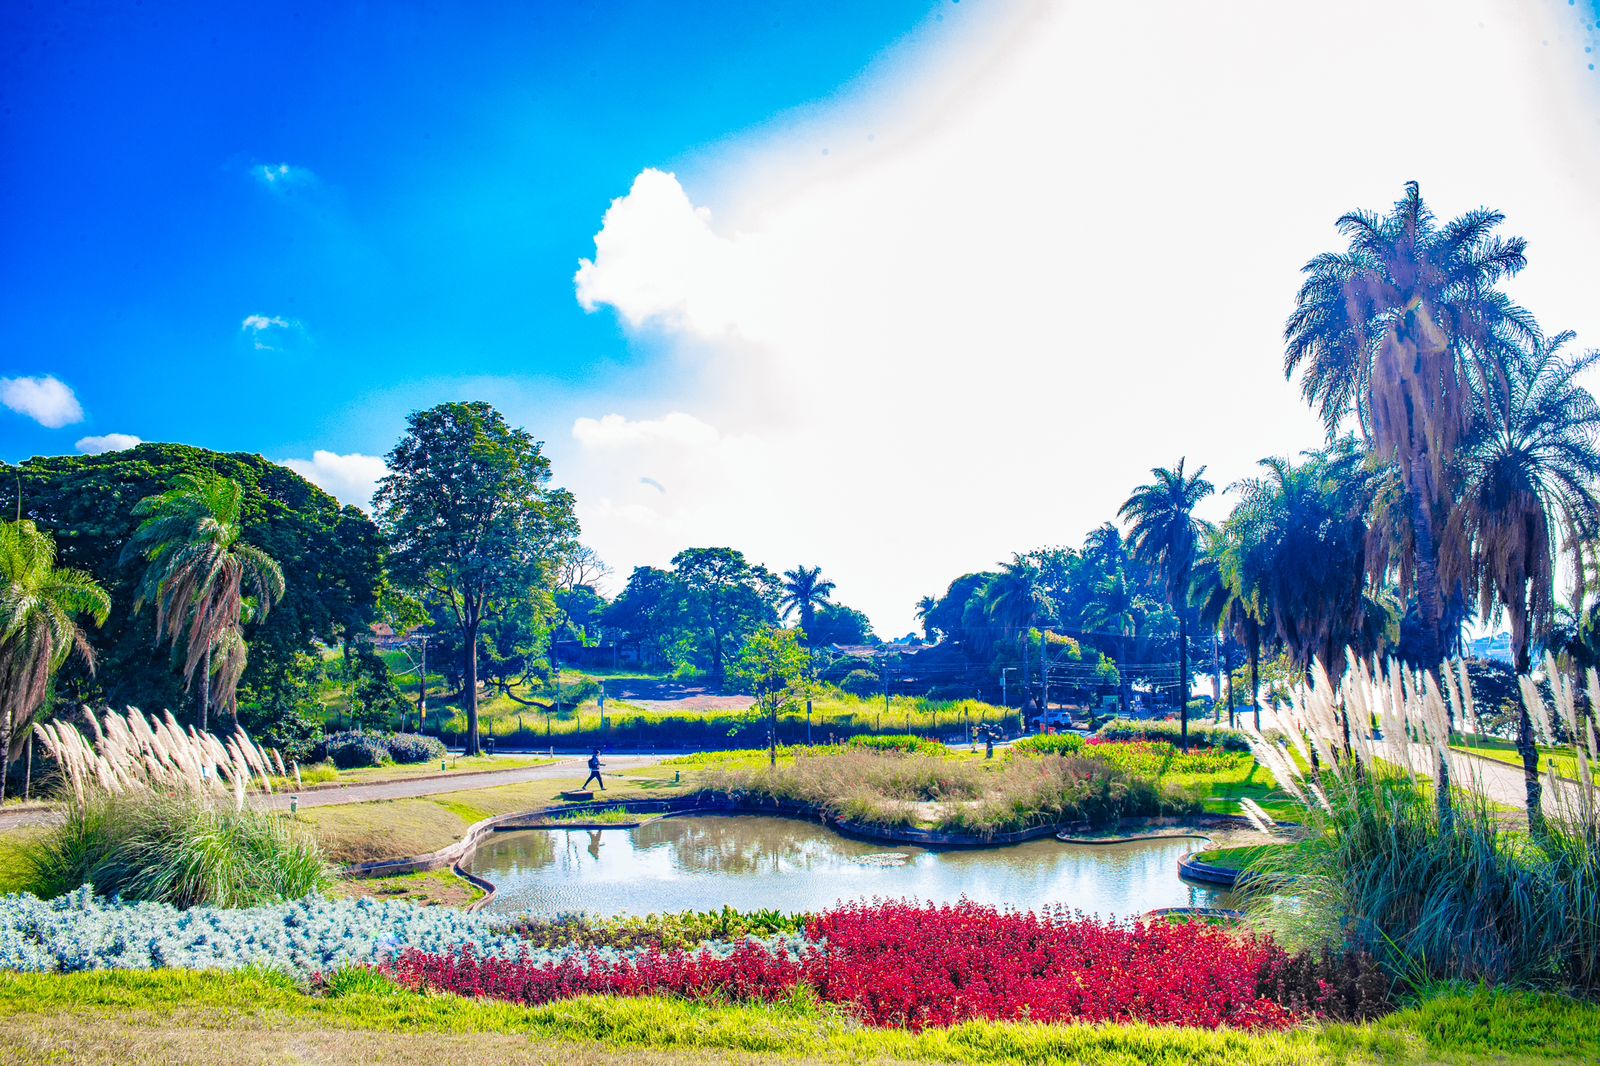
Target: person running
[(594, 771)]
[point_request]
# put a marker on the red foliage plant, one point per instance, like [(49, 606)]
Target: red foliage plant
[(913, 965)]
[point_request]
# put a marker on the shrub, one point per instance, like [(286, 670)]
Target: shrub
[(353, 748), (178, 849), (414, 748), (1200, 733), (82, 931), (1049, 744), (690, 929), (861, 683), (901, 742)]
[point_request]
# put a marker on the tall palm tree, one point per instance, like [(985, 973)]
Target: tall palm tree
[(1016, 600), (1529, 471), (1397, 328), (1165, 535), (203, 579), (1302, 560), (804, 590), (925, 608), (40, 604), (1117, 608)]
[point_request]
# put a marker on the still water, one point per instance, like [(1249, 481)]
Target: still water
[(751, 862)]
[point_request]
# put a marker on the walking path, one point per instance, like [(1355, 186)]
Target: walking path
[(565, 766), (1500, 782)]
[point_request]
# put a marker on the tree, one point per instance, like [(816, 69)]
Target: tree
[(837, 624), (40, 604), (1117, 608), (725, 598), (804, 590), (205, 581), (775, 666), (1395, 328), (925, 610), (1016, 600), (329, 555), (471, 519), (1528, 474), (1165, 535), (650, 610)]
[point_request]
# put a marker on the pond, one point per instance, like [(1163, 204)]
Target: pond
[(751, 862)]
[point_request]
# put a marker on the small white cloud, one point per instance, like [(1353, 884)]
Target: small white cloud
[(47, 400), (349, 478), (109, 442), (282, 175), (264, 329), (615, 431)]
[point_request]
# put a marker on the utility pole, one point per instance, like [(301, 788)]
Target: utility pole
[(1005, 701), (1044, 674), (422, 687), (602, 710)]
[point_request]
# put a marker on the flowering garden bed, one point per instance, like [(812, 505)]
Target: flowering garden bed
[(917, 966)]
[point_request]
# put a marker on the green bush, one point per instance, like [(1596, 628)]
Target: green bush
[(684, 931), (175, 849), (1049, 744), (900, 742), (1212, 736), (861, 683)]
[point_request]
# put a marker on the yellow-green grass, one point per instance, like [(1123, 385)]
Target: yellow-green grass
[(392, 829), (367, 775), (255, 1017), (1240, 857), (431, 887), (1504, 751), (14, 871)]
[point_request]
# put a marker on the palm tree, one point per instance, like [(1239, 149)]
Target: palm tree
[(1117, 608), (925, 608), (1529, 470), (1016, 600), (1396, 328), (1165, 535), (204, 580), (40, 604), (804, 590)]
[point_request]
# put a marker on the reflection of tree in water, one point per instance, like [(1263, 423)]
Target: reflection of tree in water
[(534, 849), (748, 844)]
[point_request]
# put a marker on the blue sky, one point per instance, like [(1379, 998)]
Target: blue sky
[(897, 288), (445, 171)]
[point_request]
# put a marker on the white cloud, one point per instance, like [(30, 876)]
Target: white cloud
[(615, 431), (351, 478), (47, 400), (109, 442), (1044, 260), (265, 331), (282, 176)]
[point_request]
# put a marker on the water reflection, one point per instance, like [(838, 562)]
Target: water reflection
[(750, 862)]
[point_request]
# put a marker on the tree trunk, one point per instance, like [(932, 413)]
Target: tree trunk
[(1529, 750), (1430, 596), (470, 688), (1183, 683), (1255, 671), (205, 690), (5, 751), (27, 768)]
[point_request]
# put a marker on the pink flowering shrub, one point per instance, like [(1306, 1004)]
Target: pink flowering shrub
[(914, 965)]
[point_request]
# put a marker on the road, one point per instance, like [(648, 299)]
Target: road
[(565, 766)]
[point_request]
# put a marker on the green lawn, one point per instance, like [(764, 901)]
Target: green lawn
[(253, 1017), (1504, 751)]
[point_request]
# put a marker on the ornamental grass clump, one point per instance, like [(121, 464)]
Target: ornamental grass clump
[(1427, 876), (153, 812)]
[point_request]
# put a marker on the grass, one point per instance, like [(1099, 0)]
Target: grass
[(390, 829), (254, 1017), (325, 773), (1240, 857), (431, 888), (1505, 751)]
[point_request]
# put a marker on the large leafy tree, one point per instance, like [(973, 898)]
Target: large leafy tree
[(472, 521), (329, 555), (804, 591), (1165, 534), (1529, 468), (650, 610), (725, 599), (40, 605), (204, 580), (1396, 329)]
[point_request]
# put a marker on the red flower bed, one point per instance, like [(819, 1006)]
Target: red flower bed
[(901, 964), (912, 965)]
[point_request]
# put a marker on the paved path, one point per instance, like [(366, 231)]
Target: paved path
[(565, 766)]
